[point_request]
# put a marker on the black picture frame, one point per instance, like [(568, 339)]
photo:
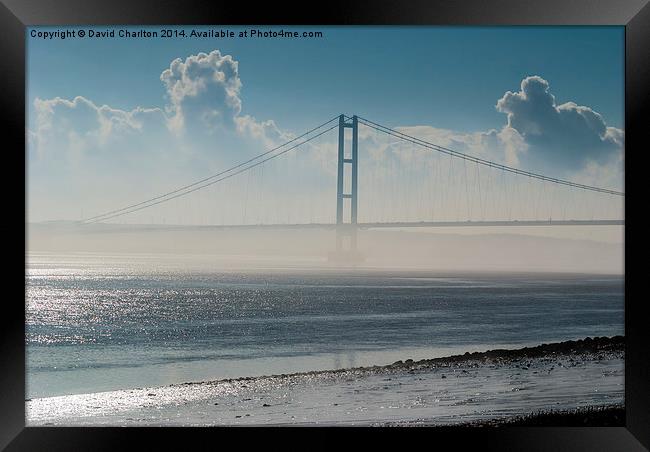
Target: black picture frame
[(15, 15)]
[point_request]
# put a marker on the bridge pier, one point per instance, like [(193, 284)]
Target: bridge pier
[(346, 232)]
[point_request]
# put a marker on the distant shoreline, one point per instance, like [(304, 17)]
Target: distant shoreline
[(580, 346), (588, 348)]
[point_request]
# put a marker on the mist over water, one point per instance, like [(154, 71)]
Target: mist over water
[(578, 249)]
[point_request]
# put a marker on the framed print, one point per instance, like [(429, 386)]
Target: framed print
[(411, 215)]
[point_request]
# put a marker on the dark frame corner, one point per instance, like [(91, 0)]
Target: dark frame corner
[(16, 15)]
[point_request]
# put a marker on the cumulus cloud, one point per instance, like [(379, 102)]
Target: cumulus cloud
[(566, 140), (81, 125), (567, 135), (203, 94), (203, 88), (204, 97), (502, 146), (266, 131)]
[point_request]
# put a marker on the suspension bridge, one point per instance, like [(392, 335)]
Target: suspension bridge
[(401, 187)]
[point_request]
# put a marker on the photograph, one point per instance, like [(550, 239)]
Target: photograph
[(345, 221), (324, 225)]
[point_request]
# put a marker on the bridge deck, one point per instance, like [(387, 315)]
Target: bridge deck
[(495, 223), (402, 224)]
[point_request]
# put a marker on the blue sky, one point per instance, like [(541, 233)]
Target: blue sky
[(547, 99), (448, 77)]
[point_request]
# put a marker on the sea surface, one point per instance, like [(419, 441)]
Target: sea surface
[(98, 323)]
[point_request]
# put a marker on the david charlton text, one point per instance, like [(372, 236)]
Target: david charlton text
[(90, 33)]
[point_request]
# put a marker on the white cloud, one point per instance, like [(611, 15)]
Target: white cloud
[(80, 124), (266, 131), (501, 146), (568, 136), (567, 140), (203, 92), (204, 88), (204, 98), (608, 174)]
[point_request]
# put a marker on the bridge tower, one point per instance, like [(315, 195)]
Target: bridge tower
[(346, 232)]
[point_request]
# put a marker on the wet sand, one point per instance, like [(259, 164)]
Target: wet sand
[(557, 382)]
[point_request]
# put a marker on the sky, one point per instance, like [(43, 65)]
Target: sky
[(114, 120)]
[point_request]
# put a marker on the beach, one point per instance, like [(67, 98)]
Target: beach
[(572, 381)]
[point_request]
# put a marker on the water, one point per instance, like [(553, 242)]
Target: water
[(100, 323)]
